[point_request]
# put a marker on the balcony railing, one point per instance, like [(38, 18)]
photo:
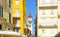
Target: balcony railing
[(48, 26), (48, 7)]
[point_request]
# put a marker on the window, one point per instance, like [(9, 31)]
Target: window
[(53, 1), (43, 12), (42, 1), (52, 21), (17, 13), (43, 31), (51, 31), (17, 23), (0, 27), (17, 2), (49, 1), (43, 22), (52, 12), (9, 3), (1, 11), (10, 17)]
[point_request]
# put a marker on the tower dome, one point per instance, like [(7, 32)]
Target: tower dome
[(30, 15)]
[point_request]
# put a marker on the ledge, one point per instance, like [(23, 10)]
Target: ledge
[(48, 7), (47, 26)]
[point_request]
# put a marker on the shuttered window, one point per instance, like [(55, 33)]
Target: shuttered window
[(1, 11), (10, 17), (0, 27)]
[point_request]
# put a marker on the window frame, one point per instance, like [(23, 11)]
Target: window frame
[(0, 27), (17, 13), (43, 12), (1, 13), (17, 23), (10, 17)]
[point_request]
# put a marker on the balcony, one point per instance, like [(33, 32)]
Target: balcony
[(48, 26)]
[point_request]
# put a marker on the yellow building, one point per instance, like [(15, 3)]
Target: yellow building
[(18, 15)]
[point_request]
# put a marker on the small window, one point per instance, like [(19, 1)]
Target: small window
[(52, 21), (9, 3), (42, 1), (43, 22), (53, 1), (51, 31), (43, 31), (43, 12), (17, 23), (17, 13), (10, 17), (52, 12), (0, 27), (17, 2), (1, 11)]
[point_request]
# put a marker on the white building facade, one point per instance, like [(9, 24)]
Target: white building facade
[(48, 18)]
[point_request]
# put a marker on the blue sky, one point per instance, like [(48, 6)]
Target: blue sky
[(31, 8)]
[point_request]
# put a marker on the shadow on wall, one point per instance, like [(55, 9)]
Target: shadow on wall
[(58, 34)]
